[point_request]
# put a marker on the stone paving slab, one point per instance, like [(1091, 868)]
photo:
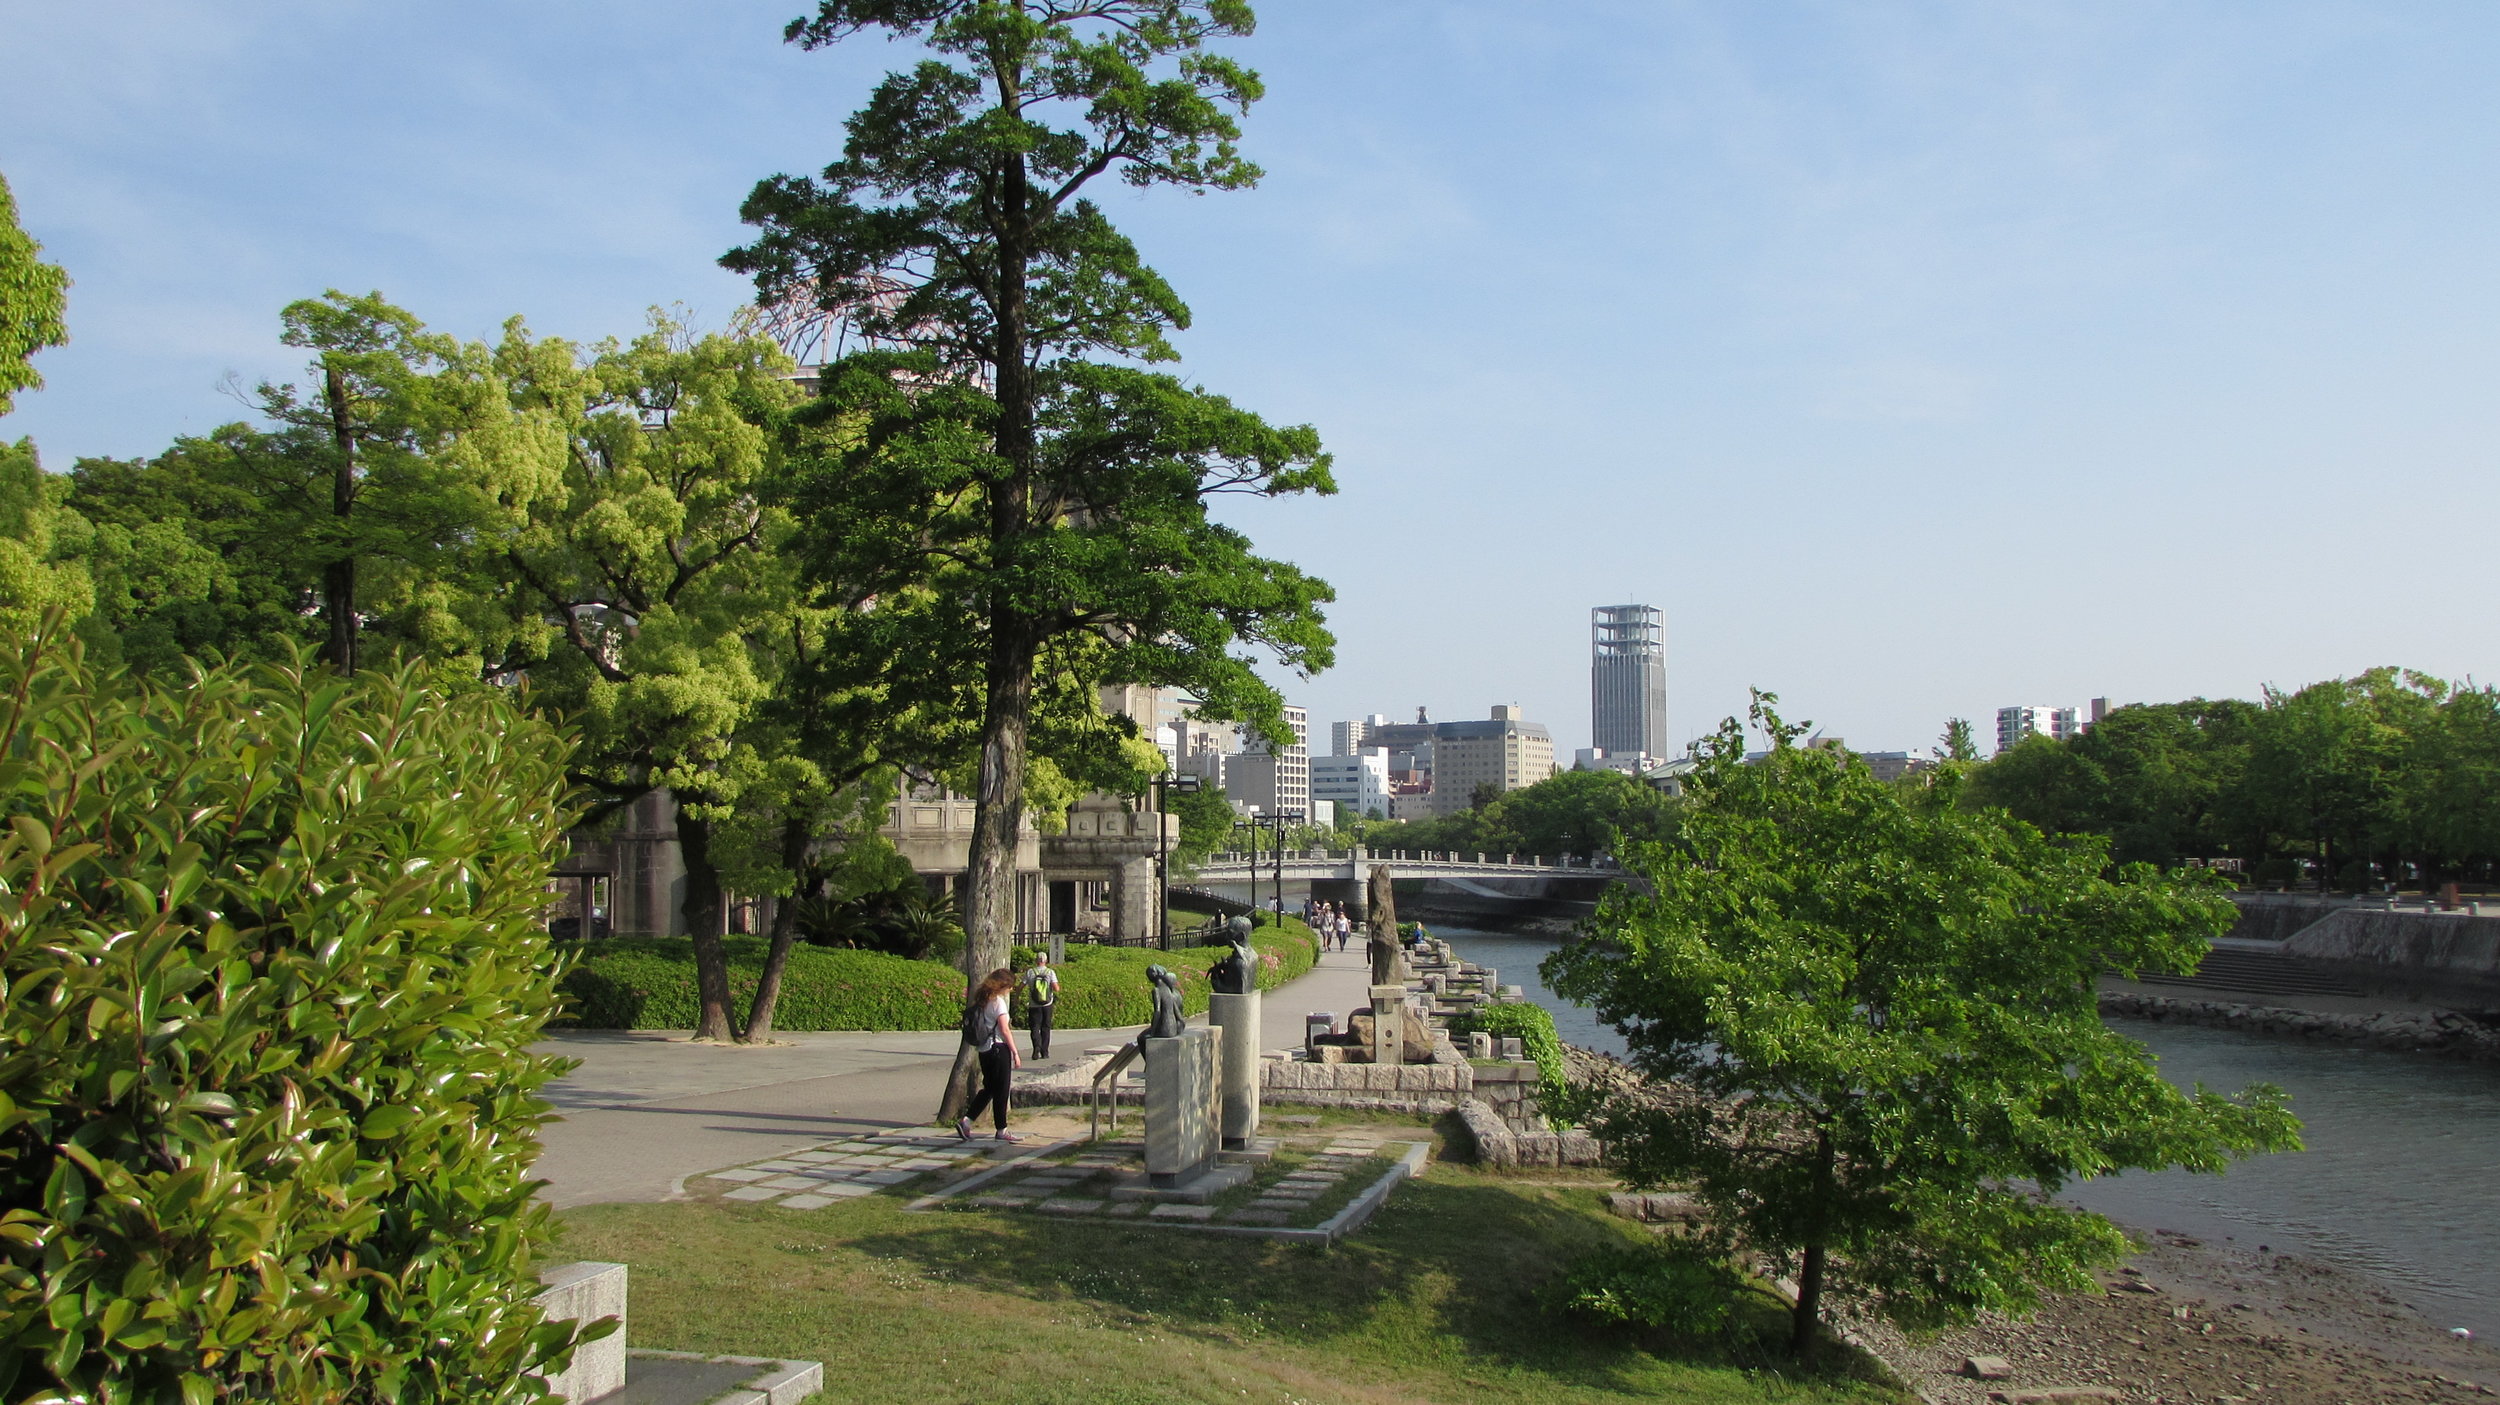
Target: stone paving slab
[(1182, 1212)]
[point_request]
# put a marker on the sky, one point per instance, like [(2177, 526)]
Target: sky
[(1917, 359)]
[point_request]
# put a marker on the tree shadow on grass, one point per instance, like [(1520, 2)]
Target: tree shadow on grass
[(1450, 1275)]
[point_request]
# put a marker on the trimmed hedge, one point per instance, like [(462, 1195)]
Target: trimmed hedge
[(272, 966), (648, 983)]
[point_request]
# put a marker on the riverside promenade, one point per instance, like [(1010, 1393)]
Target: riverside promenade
[(648, 1108)]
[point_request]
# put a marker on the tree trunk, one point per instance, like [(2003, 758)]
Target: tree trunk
[(703, 922), (338, 578), (794, 839), (1809, 1302), (998, 805), (1810, 1271)]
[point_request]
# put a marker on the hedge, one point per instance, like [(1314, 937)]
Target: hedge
[(271, 957), (648, 983)]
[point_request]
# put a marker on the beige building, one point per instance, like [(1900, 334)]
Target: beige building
[(1505, 751)]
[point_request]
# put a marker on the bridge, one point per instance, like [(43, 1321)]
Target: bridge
[(1355, 865)]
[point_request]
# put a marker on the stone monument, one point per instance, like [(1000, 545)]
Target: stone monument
[(1234, 1009), (1381, 942), (1182, 1124)]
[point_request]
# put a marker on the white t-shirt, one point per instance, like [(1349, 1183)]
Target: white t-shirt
[(997, 1011)]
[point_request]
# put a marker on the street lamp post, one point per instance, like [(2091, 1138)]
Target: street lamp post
[(1186, 783)]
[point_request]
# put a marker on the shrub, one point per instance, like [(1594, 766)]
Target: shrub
[(648, 983), (1533, 1026), (1667, 1286), (273, 972)]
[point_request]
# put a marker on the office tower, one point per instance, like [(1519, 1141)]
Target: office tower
[(1277, 782), (1506, 752), (1628, 680), (1349, 738), (1359, 784)]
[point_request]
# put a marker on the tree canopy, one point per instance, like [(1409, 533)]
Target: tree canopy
[(34, 301), (1032, 515), (1871, 1015)]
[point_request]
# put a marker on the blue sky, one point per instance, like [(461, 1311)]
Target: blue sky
[(1916, 358)]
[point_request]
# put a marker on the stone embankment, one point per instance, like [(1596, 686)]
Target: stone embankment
[(2442, 1032)]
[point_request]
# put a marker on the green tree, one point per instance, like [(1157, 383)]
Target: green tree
[(2325, 763), (1957, 742), (1206, 825), (1576, 812), (41, 544), (34, 297), (654, 578), (1035, 494), (1875, 1016)]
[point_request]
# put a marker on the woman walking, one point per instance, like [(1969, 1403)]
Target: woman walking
[(987, 1031)]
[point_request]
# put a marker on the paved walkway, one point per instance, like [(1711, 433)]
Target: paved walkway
[(648, 1108)]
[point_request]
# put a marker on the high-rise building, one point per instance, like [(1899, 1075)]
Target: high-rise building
[(1359, 784), (1506, 752), (1276, 782), (1349, 738), (2059, 723), (1628, 680)]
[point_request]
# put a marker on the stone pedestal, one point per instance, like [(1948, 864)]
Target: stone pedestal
[(585, 1292), (1238, 1085), (1183, 1123), (1389, 1024)]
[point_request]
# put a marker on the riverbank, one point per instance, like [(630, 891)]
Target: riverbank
[(2412, 1030), (2196, 1320)]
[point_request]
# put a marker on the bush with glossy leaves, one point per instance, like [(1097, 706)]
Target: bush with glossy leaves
[(273, 971)]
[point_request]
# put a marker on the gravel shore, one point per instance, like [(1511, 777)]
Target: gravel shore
[(2189, 1320)]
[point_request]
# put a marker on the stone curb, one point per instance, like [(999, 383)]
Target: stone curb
[(2444, 1033), (775, 1382)]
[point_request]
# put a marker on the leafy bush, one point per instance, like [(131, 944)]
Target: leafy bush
[(273, 973), (648, 983), (1533, 1026), (1666, 1286)]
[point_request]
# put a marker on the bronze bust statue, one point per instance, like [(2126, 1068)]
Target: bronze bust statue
[(1237, 972)]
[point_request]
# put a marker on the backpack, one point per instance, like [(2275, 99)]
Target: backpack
[(981, 1026), (1043, 986)]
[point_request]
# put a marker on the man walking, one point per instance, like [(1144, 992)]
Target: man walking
[(1041, 992)]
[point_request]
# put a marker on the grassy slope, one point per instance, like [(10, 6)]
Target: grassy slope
[(1434, 1302)]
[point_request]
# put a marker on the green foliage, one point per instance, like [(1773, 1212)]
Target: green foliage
[(39, 544), (1206, 825), (1573, 812), (1104, 986), (274, 974), (1533, 1026), (648, 983), (1028, 520), (34, 295), (1674, 1286), (1884, 1008)]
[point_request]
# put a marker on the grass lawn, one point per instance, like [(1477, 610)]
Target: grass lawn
[(1434, 1301)]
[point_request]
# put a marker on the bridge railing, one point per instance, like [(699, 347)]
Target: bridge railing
[(1239, 858)]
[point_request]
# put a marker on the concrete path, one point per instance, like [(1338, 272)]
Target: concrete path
[(648, 1108)]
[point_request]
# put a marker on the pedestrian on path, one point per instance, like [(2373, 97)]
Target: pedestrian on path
[(1041, 997), (987, 1031), (1345, 930)]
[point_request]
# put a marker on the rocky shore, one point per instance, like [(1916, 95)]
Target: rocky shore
[(2187, 1320), (2442, 1032)]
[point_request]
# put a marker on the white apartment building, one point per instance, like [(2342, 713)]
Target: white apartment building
[(2057, 723), (1359, 784)]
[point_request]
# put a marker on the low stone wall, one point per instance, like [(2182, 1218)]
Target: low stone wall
[(1431, 1089), (1498, 1145), (2441, 1032)]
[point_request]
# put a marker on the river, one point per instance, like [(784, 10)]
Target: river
[(2399, 1178)]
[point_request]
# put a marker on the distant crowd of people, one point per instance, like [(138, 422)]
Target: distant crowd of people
[(1329, 920)]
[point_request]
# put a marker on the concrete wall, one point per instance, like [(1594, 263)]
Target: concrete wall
[(2440, 957)]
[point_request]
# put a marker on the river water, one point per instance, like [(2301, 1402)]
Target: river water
[(2399, 1178)]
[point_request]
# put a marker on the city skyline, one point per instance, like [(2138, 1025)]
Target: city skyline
[(1814, 328)]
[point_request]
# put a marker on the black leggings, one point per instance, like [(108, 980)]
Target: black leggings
[(997, 1067)]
